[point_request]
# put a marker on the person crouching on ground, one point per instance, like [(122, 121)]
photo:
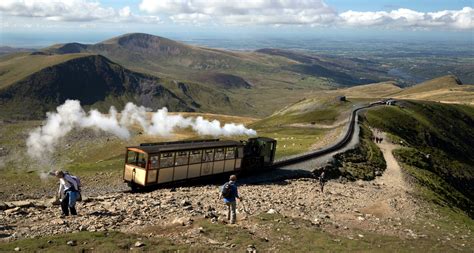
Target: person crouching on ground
[(230, 193), (68, 190)]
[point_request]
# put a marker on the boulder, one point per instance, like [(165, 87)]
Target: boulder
[(72, 243), (139, 244), (271, 211), (12, 211), (185, 203), (3, 206), (22, 203), (251, 249)]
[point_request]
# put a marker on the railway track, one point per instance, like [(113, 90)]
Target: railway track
[(324, 151), (292, 160)]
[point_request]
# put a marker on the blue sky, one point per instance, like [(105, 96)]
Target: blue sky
[(41, 22)]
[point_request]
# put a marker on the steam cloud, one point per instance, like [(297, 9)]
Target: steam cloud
[(71, 115)]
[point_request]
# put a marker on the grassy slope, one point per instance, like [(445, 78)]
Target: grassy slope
[(445, 89), (272, 87), (102, 84), (364, 161), (439, 148), (276, 233), (15, 67), (292, 138), (434, 84), (375, 90)]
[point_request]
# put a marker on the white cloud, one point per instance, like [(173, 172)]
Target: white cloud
[(125, 12), (457, 19), (243, 11), (301, 12), (70, 10), (277, 13)]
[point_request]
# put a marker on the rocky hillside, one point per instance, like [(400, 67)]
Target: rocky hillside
[(98, 82), (287, 215)]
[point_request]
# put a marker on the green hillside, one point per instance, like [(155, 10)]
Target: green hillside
[(438, 148), (98, 82), (14, 67), (447, 89)]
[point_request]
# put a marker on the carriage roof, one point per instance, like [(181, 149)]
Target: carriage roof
[(190, 145)]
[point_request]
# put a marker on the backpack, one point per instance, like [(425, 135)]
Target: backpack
[(78, 181), (227, 190)]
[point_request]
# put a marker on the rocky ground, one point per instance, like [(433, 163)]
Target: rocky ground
[(386, 206)]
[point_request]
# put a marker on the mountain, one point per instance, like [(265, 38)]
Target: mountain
[(241, 83), (165, 57), (158, 55), (98, 82), (8, 50), (202, 79), (447, 89)]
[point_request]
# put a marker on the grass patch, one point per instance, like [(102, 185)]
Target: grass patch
[(277, 233), (364, 161), (320, 116), (91, 242), (292, 140)]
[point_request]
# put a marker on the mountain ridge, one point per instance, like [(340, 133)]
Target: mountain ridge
[(97, 81)]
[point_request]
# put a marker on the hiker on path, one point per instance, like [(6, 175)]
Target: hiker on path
[(68, 192), (322, 180), (230, 193)]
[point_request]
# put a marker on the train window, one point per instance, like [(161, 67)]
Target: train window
[(219, 154), (208, 155), (166, 160), (154, 162), (230, 153), (195, 156), (240, 153), (132, 157), (182, 158), (141, 160)]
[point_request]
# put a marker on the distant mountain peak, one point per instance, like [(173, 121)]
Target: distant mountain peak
[(67, 48), (142, 41)]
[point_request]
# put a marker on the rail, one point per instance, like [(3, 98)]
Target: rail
[(336, 146)]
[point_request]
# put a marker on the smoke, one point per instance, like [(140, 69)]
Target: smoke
[(71, 115)]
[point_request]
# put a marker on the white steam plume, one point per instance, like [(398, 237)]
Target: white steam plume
[(71, 115)]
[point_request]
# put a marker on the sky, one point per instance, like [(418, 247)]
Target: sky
[(40, 22)]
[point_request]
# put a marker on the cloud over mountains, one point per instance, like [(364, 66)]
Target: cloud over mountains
[(238, 12), (70, 10)]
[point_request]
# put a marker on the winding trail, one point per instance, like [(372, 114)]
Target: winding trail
[(392, 176)]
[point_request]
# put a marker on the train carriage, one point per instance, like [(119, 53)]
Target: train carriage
[(166, 162), (158, 163)]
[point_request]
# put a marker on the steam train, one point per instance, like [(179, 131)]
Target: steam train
[(166, 162)]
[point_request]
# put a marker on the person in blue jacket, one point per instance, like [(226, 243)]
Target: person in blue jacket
[(230, 193)]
